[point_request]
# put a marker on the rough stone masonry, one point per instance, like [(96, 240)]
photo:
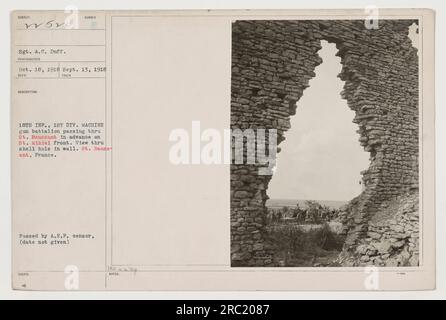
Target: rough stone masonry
[(272, 63)]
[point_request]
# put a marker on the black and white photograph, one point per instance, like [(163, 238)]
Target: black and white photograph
[(340, 99), (252, 152)]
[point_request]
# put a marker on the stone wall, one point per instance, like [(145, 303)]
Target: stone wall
[(272, 63)]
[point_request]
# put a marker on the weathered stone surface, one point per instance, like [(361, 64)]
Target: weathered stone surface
[(374, 235), (383, 247)]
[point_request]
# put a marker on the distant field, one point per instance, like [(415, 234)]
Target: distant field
[(278, 203)]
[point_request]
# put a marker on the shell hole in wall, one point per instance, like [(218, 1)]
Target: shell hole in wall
[(321, 158)]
